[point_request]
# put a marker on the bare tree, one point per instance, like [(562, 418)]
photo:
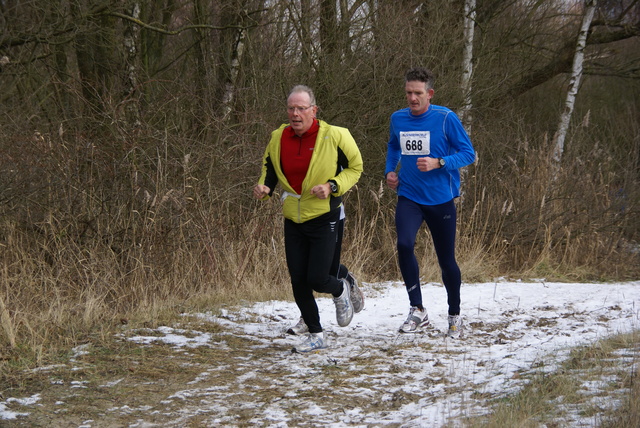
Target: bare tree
[(94, 47), (306, 33), (467, 63), (194, 63), (574, 84), (131, 46)]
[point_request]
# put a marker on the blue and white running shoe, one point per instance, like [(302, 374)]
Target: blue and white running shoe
[(312, 342)]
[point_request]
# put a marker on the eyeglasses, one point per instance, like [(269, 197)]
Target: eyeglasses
[(298, 109)]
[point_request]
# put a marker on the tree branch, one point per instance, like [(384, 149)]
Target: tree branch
[(564, 58), (170, 32)]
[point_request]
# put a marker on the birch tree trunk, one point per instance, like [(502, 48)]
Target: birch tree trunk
[(467, 73), (574, 84), (230, 86), (131, 44), (467, 63)]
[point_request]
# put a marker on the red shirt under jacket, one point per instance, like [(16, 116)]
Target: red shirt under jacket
[(295, 154)]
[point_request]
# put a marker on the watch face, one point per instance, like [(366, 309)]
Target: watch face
[(442, 162)]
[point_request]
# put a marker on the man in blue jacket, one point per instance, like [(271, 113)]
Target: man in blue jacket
[(430, 144)]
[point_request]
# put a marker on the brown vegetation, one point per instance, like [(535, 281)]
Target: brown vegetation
[(129, 146)]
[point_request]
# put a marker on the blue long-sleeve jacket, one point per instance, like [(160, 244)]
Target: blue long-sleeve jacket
[(437, 133)]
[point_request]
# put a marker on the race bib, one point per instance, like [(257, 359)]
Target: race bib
[(415, 143)]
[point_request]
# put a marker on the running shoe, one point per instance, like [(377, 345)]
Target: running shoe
[(299, 328), (416, 320), (455, 326), (344, 307), (357, 298), (312, 342)]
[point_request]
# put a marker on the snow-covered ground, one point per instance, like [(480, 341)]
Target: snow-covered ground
[(417, 380)]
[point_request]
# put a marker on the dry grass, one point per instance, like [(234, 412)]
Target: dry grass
[(116, 370), (98, 243), (58, 286), (551, 397), (104, 224)]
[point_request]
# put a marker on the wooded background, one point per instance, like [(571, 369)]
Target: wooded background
[(132, 134)]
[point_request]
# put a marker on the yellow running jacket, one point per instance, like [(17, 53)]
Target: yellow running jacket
[(335, 157)]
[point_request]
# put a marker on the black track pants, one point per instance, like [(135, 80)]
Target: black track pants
[(310, 248)]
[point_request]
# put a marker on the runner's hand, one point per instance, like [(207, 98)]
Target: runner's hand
[(392, 180), (321, 191), (261, 191)]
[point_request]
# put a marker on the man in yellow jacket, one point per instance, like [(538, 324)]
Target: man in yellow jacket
[(315, 164)]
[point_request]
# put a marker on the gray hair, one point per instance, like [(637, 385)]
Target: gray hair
[(304, 88)]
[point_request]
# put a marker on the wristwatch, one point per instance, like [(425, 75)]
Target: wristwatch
[(334, 186), (442, 162)]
